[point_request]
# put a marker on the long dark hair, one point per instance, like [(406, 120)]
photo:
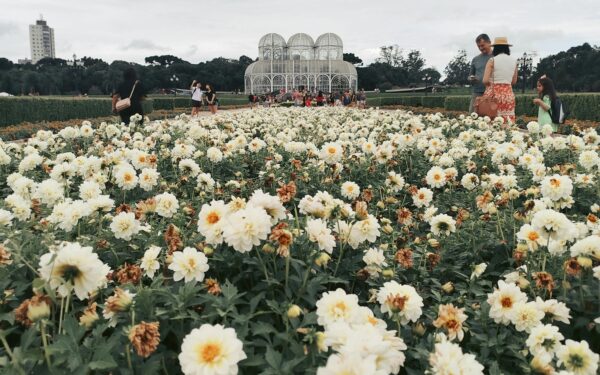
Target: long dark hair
[(547, 88), (129, 75), (501, 48)]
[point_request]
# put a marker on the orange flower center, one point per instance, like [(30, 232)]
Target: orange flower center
[(554, 182), (213, 217), (533, 236), (331, 150), (506, 302), (209, 352), (128, 177)]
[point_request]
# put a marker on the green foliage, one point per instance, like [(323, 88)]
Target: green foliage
[(577, 69), (17, 110), (457, 70)]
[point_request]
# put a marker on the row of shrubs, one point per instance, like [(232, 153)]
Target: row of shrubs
[(18, 110), (170, 103), (580, 106)]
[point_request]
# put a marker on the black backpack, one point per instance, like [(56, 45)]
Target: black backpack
[(558, 111)]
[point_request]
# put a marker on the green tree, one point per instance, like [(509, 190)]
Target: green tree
[(457, 70), (432, 75), (391, 55), (353, 59), (413, 64), (577, 69)]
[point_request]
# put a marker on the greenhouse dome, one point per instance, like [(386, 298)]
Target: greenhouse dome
[(301, 63)]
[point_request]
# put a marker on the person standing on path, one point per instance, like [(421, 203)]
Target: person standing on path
[(478, 68), (211, 99), (499, 77), (196, 97)]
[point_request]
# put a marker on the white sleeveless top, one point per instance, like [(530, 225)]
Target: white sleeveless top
[(504, 68)]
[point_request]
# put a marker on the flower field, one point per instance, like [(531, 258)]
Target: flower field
[(300, 241)]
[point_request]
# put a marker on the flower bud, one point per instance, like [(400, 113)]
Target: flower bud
[(322, 259), (380, 205), (388, 273), (294, 311), (208, 251), (268, 249), (387, 229), (38, 308), (434, 243), (584, 262), (448, 287), (419, 329)]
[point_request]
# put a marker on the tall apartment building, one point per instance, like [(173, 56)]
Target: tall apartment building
[(41, 40)]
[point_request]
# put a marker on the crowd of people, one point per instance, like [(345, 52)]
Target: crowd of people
[(305, 98)]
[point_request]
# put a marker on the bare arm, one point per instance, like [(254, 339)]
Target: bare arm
[(489, 68), (515, 75)]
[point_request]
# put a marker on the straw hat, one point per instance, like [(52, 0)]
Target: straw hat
[(501, 41)]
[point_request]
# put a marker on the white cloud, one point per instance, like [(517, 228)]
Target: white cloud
[(202, 30)]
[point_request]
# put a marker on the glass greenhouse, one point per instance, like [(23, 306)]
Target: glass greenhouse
[(301, 63)]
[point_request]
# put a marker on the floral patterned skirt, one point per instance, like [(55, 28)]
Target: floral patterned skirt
[(505, 98)]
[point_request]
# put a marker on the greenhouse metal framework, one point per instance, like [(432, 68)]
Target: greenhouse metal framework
[(300, 63)]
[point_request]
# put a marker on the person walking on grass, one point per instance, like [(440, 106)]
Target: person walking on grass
[(211, 99), (196, 97), (131, 88), (546, 96), (484, 44), (499, 77)]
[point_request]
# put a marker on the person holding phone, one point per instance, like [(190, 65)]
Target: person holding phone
[(478, 64)]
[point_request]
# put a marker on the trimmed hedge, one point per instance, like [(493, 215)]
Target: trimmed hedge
[(172, 102), (17, 110)]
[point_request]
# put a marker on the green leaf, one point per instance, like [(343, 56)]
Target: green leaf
[(273, 358), (103, 364)]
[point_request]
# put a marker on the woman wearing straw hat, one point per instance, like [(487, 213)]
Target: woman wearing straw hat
[(500, 74)]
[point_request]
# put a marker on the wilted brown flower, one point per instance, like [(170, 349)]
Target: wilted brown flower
[(483, 199), (367, 195), (33, 309), (36, 206), (361, 209), (462, 215), (142, 208), (296, 164), (287, 192), (128, 274), (404, 216), (123, 208), (362, 274), (593, 219), (173, 239), (572, 267), (432, 260), (21, 314), (404, 257), (5, 256), (544, 280), (283, 237), (212, 286), (144, 338)]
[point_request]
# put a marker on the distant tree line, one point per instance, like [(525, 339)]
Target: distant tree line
[(577, 69)]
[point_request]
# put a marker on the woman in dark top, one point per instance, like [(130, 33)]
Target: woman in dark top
[(211, 99), (320, 99), (124, 90)]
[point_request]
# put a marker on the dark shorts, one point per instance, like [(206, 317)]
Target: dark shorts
[(196, 103)]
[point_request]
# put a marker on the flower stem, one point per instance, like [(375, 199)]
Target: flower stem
[(11, 355), (128, 353), (264, 267), (45, 343)]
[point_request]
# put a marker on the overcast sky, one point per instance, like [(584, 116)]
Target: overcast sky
[(203, 29)]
